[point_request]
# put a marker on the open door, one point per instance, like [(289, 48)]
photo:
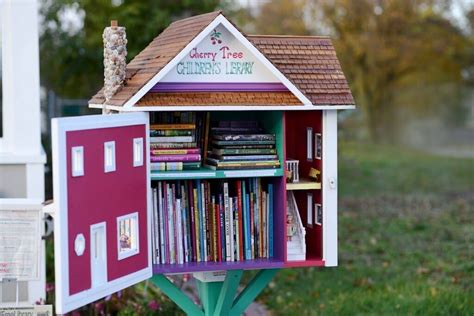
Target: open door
[(101, 193)]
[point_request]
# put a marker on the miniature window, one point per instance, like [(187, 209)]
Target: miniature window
[(77, 161), (127, 229), (318, 146), (109, 156), (137, 152)]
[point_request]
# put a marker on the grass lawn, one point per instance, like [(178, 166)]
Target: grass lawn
[(406, 238)]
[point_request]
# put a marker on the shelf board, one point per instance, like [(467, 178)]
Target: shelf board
[(304, 184), (256, 264), (205, 173)]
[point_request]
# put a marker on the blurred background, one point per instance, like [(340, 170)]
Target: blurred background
[(406, 215)]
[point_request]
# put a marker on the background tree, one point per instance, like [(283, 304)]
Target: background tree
[(71, 47), (397, 54)]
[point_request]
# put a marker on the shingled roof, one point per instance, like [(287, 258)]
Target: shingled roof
[(309, 62)]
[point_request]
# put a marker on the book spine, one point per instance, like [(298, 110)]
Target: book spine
[(172, 139), (264, 225), (175, 151), (179, 235), (154, 244), (207, 199), (197, 236), (170, 132), (231, 229), (162, 224), (166, 223), (240, 220), (185, 222), (204, 223), (227, 221), (222, 254), (155, 145), (176, 158), (236, 230), (193, 223), (270, 220), (248, 234), (170, 224), (172, 126), (252, 227)]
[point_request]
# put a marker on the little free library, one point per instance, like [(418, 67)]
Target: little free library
[(217, 151)]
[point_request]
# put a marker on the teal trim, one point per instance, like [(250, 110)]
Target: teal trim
[(253, 289), (175, 294), (208, 293), (205, 173), (227, 293)]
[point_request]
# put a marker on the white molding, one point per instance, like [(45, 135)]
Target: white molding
[(223, 108), (138, 152), (220, 19), (131, 252), (64, 301), (329, 188), (77, 161), (109, 157)]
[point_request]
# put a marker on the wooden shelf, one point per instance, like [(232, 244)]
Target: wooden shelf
[(304, 184), (205, 173)]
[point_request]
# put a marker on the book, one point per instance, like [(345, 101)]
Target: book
[(172, 139), (244, 137), (223, 158), (171, 132), (196, 221), (183, 151), (216, 164), (175, 166), (242, 142), (176, 158), (162, 145), (172, 126), (242, 151)]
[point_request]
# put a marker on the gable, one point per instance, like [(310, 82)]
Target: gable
[(183, 59)]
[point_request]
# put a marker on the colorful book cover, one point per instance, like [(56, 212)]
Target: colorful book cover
[(172, 139), (223, 158), (172, 126), (184, 151), (179, 232), (236, 230), (248, 238), (222, 254), (185, 222), (270, 220), (171, 132), (227, 222), (240, 219), (203, 210), (252, 227), (154, 244), (162, 223), (214, 229), (193, 223), (173, 158), (197, 222), (248, 151), (231, 229), (161, 145), (241, 142), (244, 146), (166, 222), (245, 137)]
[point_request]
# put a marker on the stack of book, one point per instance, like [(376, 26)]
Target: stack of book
[(241, 145), (201, 221), (175, 141)]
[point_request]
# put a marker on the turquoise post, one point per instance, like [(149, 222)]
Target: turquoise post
[(217, 298)]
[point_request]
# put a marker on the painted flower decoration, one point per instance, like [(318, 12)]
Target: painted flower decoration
[(215, 37)]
